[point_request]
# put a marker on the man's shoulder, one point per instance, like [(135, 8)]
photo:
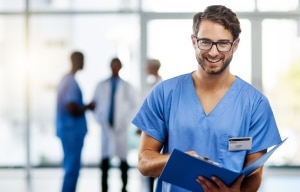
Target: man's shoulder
[(247, 86), (179, 78), (174, 83), (67, 80), (249, 90), (68, 77)]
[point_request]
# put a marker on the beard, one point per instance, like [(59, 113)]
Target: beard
[(214, 72)]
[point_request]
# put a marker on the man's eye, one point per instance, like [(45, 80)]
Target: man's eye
[(223, 44), (205, 42)]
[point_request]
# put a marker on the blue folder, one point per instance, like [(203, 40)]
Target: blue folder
[(182, 169)]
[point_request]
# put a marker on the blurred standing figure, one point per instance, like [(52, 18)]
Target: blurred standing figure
[(71, 125), (153, 78), (115, 104)]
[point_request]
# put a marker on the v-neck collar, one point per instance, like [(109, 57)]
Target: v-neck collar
[(196, 102)]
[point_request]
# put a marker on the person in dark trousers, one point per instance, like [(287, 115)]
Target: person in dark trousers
[(71, 125), (115, 101)]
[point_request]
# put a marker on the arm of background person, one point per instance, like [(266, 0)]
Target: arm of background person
[(74, 109)]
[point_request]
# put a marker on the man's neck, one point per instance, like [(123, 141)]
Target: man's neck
[(210, 82)]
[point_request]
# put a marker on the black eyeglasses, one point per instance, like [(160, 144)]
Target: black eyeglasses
[(222, 46)]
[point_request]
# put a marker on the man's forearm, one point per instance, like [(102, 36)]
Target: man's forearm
[(152, 166), (252, 182)]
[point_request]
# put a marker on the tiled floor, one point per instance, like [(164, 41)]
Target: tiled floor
[(49, 180)]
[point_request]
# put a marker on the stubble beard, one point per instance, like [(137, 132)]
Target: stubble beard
[(212, 72)]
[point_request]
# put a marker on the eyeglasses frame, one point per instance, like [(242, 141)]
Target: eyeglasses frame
[(212, 44)]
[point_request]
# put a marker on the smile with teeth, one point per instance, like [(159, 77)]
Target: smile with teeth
[(214, 61)]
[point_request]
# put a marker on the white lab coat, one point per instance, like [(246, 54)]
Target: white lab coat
[(114, 140)]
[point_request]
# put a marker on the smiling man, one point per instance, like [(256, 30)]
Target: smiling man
[(201, 111)]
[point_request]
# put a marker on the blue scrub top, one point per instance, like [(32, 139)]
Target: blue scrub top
[(173, 115), (69, 91)]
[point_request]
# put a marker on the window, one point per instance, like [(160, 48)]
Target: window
[(281, 63), (12, 97), (83, 5), (194, 5), (12, 5), (41, 48), (277, 5)]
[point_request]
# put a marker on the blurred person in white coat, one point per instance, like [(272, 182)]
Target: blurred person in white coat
[(114, 119)]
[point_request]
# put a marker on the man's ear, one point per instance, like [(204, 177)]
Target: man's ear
[(194, 41), (236, 44)]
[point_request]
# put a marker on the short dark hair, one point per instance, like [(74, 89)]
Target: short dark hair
[(76, 56), (116, 59), (219, 14)]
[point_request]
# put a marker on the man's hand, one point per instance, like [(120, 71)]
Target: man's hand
[(218, 185)]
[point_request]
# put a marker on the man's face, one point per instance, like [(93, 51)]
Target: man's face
[(213, 61), (79, 63), (115, 68)]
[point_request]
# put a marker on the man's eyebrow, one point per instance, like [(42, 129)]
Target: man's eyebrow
[(204, 39), (220, 40), (224, 40)]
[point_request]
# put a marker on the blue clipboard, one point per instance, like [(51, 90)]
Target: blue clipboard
[(182, 169)]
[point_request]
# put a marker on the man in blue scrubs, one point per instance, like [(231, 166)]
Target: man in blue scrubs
[(71, 126), (201, 111)]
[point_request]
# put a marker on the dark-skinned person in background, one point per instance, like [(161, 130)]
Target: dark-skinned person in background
[(71, 124)]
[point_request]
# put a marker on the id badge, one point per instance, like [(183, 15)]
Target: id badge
[(239, 143)]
